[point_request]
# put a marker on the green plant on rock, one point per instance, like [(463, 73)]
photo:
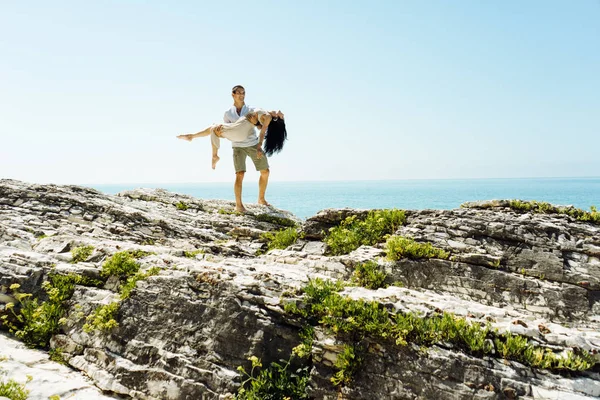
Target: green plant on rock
[(272, 219), (56, 355), (369, 275), (276, 382), (81, 253), (137, 254), (281, 239), (223, 211), (323, 305), (37, 321), (398, 247), (192, 254), (347, 363), (103, 319), (13, 390), (131, 282), (307, 336), (121, 265), (281, 380), (181, 206), (546, 208), (354, 232)]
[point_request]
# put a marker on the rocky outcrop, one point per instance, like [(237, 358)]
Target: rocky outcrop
[(41, 377), (218, 298)]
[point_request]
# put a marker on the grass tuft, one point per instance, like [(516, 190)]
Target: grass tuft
[(82, 253), (121, 264), (542, 207), (354, 232), (281, 239), (398, 247), (369, 275)]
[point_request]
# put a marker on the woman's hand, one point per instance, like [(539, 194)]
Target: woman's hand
[(259, 152), (185, 137)]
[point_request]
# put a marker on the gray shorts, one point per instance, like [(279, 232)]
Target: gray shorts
[(239, 158)]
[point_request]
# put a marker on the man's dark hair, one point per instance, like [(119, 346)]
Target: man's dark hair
[(276, 136), (236, 87)]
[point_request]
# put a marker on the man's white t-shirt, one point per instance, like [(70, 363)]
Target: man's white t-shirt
[(231, 116)]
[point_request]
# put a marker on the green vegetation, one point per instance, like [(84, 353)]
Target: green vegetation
[(181, 206), (121, 265), (37, 321), (124, 266), (227, 212), (272, 219), (81, 253), (13, 390), (129, 285), (281, 239), (398, 247), (137, 254), (192, 254), (358, 319), (354, 232), (273, 383), (369, 275), (103, 318), (56, 354), (278, 381), (347, 363), (546, 208)]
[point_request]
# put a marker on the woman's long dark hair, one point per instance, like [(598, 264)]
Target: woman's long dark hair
[(276, 136)]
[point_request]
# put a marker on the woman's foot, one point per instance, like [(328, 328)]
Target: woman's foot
[(185, 137), (264, 203), (215, 160)]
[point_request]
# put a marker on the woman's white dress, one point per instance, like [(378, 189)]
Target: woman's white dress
[(237, 131)]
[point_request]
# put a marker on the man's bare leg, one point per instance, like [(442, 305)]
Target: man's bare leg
[(237, 190), (262, 186), (215, 156)]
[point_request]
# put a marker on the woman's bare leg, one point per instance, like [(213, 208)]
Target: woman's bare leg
[(215, 156), (216, 144), (191, 136)]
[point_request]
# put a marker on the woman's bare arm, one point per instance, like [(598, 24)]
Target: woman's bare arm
[(264, 120)]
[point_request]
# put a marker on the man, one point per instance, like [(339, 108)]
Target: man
[(251, 147)]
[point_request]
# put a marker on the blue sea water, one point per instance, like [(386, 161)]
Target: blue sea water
[(305, 199)]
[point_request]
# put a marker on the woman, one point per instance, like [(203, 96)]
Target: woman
[(270, 123)]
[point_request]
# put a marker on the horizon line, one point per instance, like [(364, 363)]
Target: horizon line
[(348, 180)]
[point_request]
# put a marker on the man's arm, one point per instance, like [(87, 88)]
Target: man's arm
[(219, 128)]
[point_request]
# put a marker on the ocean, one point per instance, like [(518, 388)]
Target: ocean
[(305, 199)]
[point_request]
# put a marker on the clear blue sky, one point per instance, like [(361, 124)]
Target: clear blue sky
[(95, 91)]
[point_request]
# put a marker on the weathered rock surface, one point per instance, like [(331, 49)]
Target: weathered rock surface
[(183, 332), (48, 378)]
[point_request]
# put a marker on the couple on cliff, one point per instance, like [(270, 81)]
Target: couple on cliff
[(239, 127)]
